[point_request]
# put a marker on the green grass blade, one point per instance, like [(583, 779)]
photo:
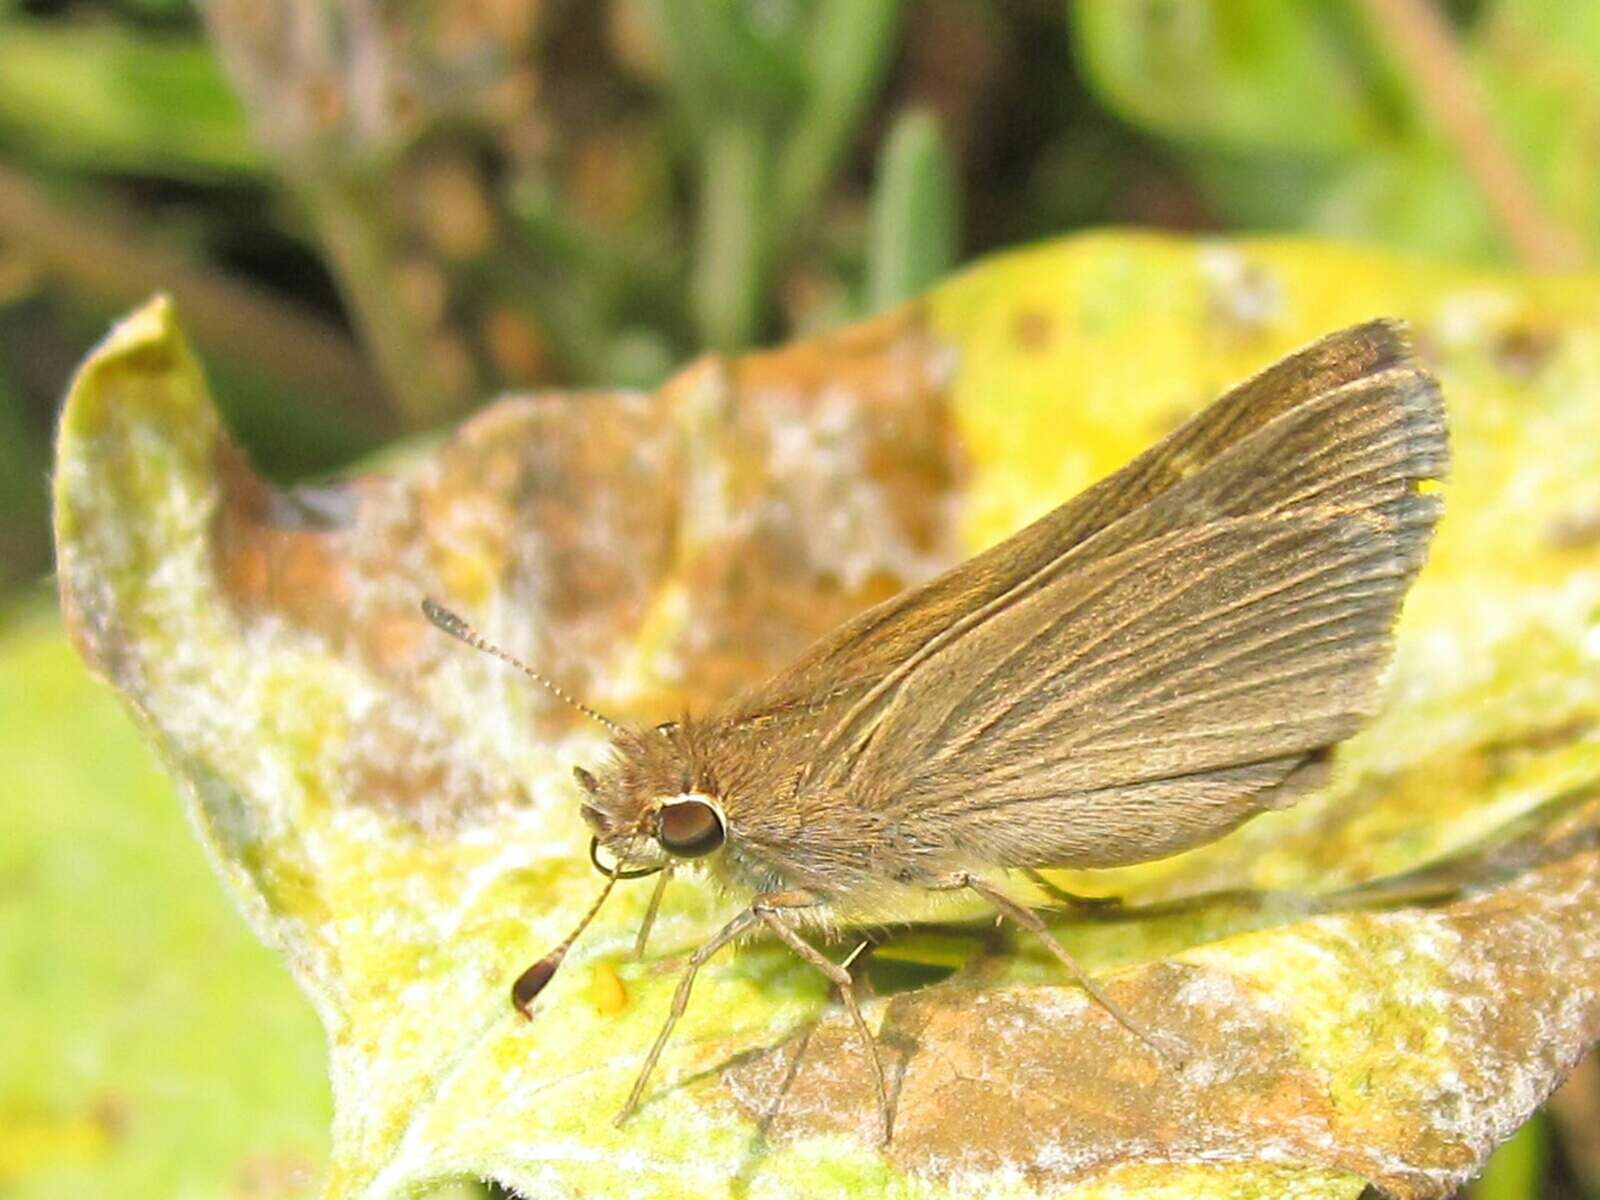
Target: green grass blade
[(914, 236)]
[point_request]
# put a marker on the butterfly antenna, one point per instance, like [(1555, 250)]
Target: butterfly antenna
[(446, 620), (532, 981)]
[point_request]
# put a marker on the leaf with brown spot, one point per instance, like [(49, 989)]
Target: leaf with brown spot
[(1398, 972)]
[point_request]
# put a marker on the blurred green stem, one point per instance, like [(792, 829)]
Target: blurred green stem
[(100, 95), (1420, 38), (98, 253), (851, 43), (356, 237), (913, 236), (688, 30), (766, 161), (577, 279), (731, 250)]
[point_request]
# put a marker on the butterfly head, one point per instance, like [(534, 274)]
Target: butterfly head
[(649, 808)]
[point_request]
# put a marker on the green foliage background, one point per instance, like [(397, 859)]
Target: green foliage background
[(547, 193)]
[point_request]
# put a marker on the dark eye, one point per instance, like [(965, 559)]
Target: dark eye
[(690, 828), (585, 780)]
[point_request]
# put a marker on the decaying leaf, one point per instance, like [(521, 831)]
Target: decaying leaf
[(1377, 986)]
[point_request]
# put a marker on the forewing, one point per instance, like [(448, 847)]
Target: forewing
[(1162, 681), (839, 668), (1149, 702)]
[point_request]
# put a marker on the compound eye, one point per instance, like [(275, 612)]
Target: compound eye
[(586, 781), (690, 828)]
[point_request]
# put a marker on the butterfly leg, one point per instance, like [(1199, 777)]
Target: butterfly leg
[(680, 1001), (840, 977), (1088, 904), (639, 943), (1024, 916)]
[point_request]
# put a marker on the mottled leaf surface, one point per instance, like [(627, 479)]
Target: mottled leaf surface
[(1400, 969)]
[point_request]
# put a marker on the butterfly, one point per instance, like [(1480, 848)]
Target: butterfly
[(1167, 654)]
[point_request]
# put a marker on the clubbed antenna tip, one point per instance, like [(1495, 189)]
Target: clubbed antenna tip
[(441, 617), (446, 620)]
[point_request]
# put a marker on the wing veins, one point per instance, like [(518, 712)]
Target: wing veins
[(1304, 669), (1236, 610), (1179, 702), (1137, 714)]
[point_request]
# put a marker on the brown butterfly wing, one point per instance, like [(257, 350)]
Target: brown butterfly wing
[(840, 666), (1156, 695), (1166, 676), (1150, 703)]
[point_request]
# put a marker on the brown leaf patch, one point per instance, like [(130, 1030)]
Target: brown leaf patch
[(1039, 1081)]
